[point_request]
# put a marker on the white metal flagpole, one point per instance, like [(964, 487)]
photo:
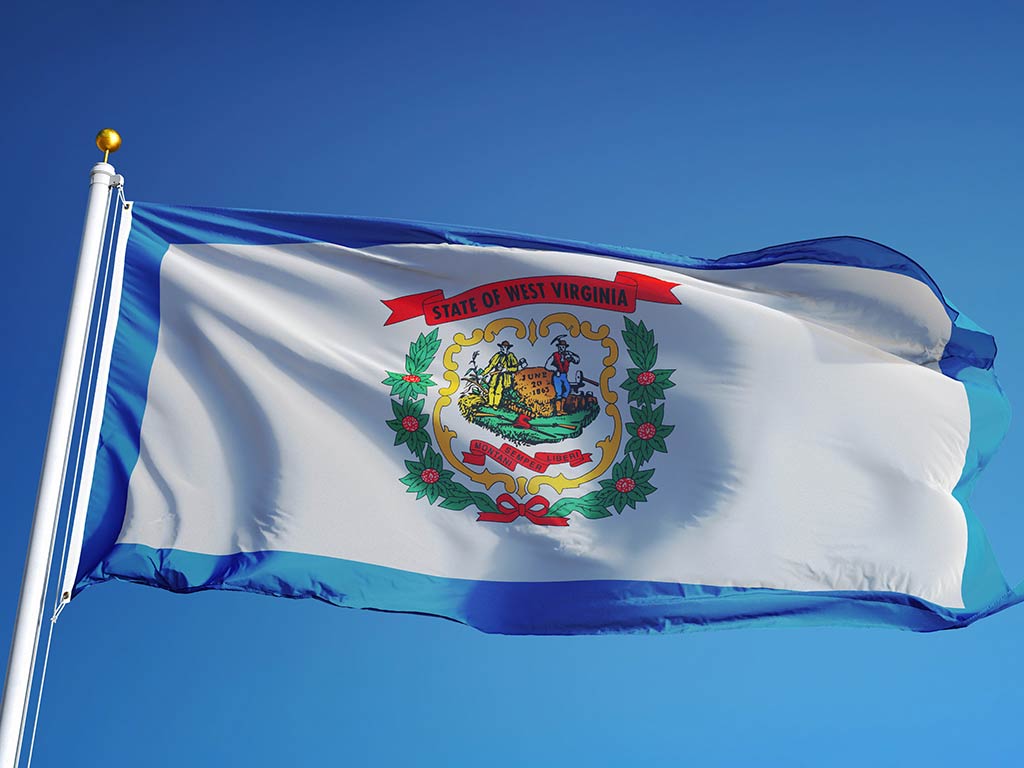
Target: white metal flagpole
[(29, 618)]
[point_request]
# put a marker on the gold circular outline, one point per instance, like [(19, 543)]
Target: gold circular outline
[(521, 486)]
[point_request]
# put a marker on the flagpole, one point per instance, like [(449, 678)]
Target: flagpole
[(31, 608)]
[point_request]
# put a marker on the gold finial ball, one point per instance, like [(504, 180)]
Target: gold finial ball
[(108, 140)]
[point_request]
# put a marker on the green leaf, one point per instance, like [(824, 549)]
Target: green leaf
[(410, 480), (407, 390), (457, 503), (655, 392), (643, 357), (631, 327), (642, 450), (445, 486), (417, 442), (640, 346), (562, 508), (458, 490), (644, 395), (655, 415), (641, 415), (457, 496), (589, 506), (432, 492), (484, 502), (645, 489), (431, 459), (422, 351), (400, 408)]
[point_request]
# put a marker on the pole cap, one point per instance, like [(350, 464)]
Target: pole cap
[(108, 140)]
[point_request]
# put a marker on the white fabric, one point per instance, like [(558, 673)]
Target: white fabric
[(815, 448)]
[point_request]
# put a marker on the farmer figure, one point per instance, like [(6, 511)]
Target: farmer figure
[(501, 369), (558, 364)]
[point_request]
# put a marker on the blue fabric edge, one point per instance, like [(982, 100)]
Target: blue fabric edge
[(968, 357), (536, 608)]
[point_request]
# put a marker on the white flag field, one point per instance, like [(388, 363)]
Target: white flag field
[(537, 436)]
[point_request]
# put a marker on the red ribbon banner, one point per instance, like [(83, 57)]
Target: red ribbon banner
[(533, 510), (511, 457), (619, 295)]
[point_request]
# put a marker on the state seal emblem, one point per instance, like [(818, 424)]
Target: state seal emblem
[(538, 417)]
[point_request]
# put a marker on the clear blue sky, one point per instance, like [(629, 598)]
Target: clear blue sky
[(699, 128)]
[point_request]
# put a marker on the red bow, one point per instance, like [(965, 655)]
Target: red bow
[(533, 510)]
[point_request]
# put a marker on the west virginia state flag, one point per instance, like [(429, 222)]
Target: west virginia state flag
[(538, 436)]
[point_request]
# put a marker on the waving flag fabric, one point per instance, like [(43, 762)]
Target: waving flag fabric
[(538, 436)]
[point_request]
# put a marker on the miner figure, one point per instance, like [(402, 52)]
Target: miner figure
[(558, 364)]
